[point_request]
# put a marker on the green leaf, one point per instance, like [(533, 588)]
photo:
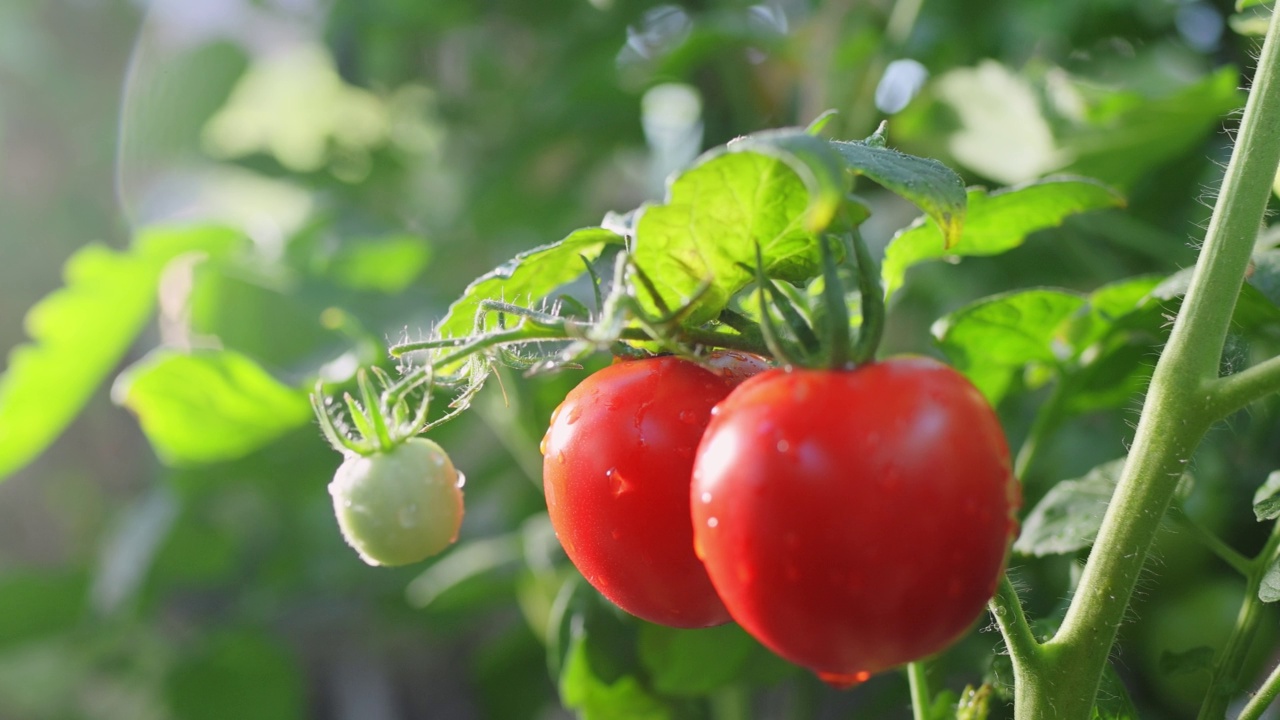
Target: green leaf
[(1246, 4), (1266, 501), (715, 215), (39, 604), (932, 186), (386, 265), (595, 698), (994, 223), (812, 160), (1253, 309), (992, 338), (80, 332), (1187, 661), (944, 707), (693, 662), (208, 406), (1269, 589), (527, 278), (1109, 306), (1113, 701), (1068, 517), (974, 704)]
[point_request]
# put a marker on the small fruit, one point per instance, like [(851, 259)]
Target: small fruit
[(400, 506), (853, 521)]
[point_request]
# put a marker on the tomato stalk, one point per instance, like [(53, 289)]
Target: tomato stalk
[(1184, 399)]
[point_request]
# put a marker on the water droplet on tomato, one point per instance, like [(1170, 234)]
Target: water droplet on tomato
[(560, 457), (715, 411), (844, 681), (705, 497), (542, 446), (713, 522), (461, 481), (408, 516), (783, 446), (688, 417), (617, 482), (574, 415)]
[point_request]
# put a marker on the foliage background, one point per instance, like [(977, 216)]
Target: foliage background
[(370, 157)]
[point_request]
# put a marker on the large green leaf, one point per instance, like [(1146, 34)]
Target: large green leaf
[(715, 216), (693, 662), (994, 337), (994, 223), (527, 278), (386, 264), (933, 187), (599, 698), (208, 406), (80, 332)]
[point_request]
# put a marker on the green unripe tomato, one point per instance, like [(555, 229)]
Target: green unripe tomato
[(400, 506)]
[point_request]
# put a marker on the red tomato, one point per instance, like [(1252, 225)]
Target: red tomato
[(855, 520), (618, 458)]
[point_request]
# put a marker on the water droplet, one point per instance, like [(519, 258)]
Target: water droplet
[(715, 411), (688, 417), (617, 482), (408, 516), (560, 457), (705, 497), (542, 446), (574, 415), (713, 522), (783, 446), (461, 481)]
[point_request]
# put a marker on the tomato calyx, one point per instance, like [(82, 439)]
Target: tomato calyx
[(381, 419), (819, 336)]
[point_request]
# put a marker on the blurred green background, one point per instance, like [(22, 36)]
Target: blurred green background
[(277, 188)]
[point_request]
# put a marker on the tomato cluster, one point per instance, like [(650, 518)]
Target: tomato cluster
[(851, 520)]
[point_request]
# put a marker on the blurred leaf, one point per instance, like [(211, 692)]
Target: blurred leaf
[(1130, 134), (1253, 310), (933, 187), (944, 707), (693, 662), (1113, 701), (208, 406), (1246, 4), (386, 265), (1107, 306), (1249, 24), (974, 704), (527, 278), (468, 561), (1067, 518), (995, 336), (1187, 661), (995, 223), (1112, 379), (81, 331), (37, 604), (595, 698), (1269, 590), (718, 212), (241, 674), (1266, 501)]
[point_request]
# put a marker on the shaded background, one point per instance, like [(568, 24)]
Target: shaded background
[(373, 155)]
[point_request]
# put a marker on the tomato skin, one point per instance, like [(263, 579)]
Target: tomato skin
[(853, 521), (400, 506), (618, 459)]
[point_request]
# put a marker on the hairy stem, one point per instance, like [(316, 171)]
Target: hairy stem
[(1178, 411)]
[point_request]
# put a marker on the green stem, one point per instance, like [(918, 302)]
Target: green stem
[(1012, 621), (1234, 392), (1210, 540), (1263, 698), (1178, 411), (873, 309), (919, 681), (1230, 661)]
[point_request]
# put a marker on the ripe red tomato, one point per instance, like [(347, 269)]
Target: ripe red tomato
[(618, 458), (855, 520)]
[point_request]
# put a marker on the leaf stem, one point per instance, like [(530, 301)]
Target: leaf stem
[(1210, 540), (1234, 392), (918, 678), (1006, 607), (1179, 409), (1046, 422), (873, 309)]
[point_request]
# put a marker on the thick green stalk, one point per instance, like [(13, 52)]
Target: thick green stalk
[(920, 698), (1179, 409)]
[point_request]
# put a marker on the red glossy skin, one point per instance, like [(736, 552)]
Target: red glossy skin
[(855, 521), (618, 458)]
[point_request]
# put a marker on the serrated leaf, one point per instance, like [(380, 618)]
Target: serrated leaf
[(1113, 702), (595, 698), (208, 406), (693, 662), (1266, 501), (80, 332), (388, 264), (715, 215), (994, 223), (930, 185), (1068, 517), (813, 161), (527, 278), (1187, 661), (993, 337), (1269, 588)]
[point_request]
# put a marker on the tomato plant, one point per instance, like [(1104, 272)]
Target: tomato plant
[(618, 458), (855, 520)]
